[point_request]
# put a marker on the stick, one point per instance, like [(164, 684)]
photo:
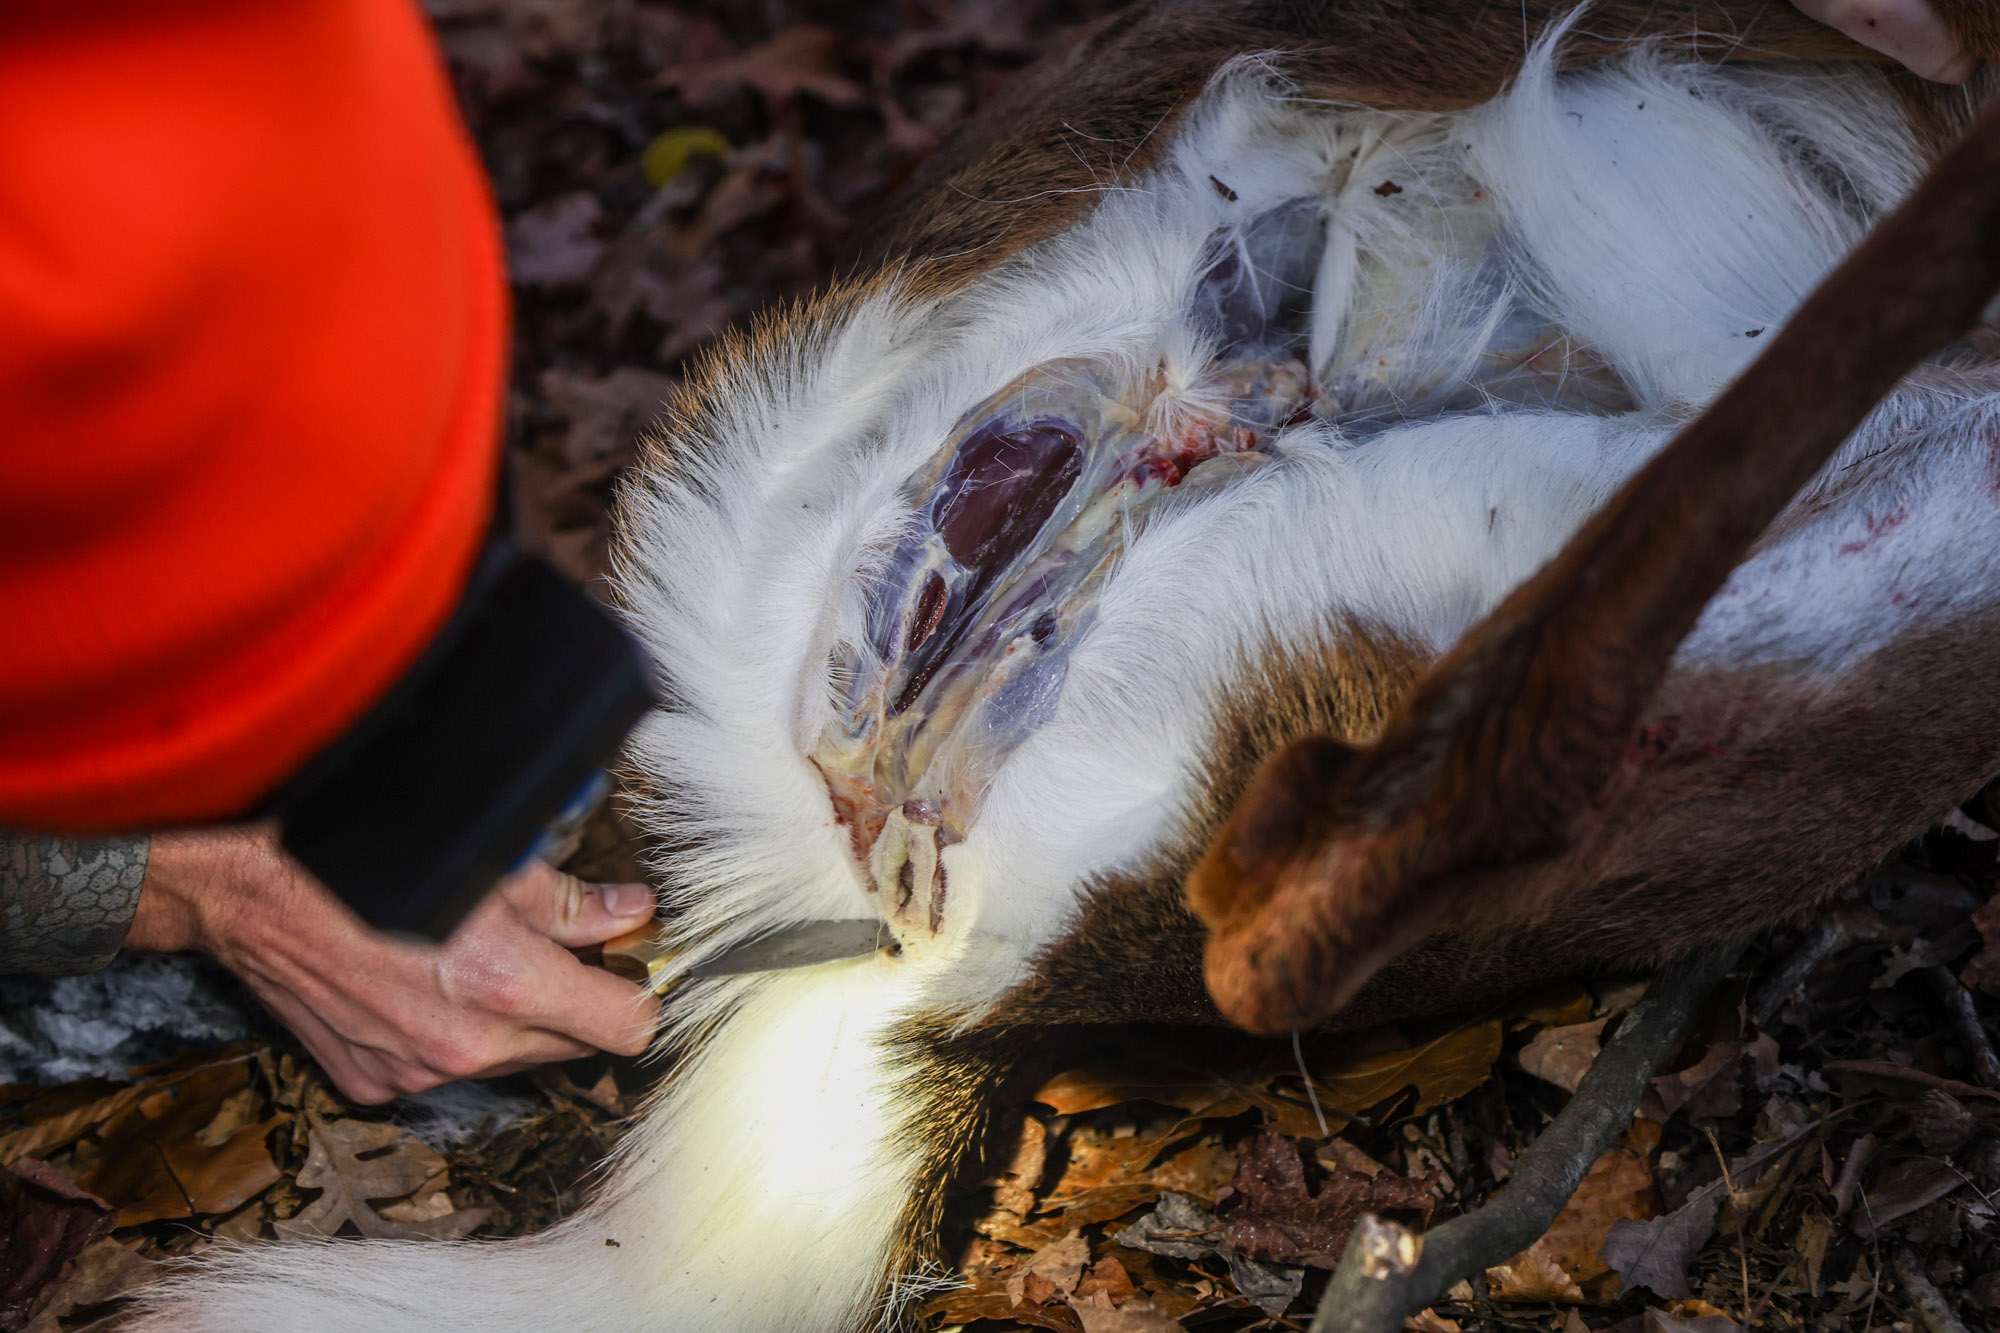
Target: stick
[(1824, 938), (1958, 1007), (1388, 1273), (1930, 1303)]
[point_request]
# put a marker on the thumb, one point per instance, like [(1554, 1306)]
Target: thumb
[(572, 912)]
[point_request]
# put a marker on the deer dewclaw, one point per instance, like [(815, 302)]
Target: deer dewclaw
[(1213, 384)]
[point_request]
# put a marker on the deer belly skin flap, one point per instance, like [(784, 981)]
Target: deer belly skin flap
[(978, 588)]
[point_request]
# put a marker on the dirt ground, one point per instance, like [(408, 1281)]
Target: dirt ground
[(1822, 1153)]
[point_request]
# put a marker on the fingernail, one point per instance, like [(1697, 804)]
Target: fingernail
[(626, 899)]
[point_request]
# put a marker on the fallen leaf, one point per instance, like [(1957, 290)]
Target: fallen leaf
[(1655, 1253), (1557, 1006), (606, 414), (1053, 1272), (105, 1271), (1340, 1155), (802, 58), (1441, 1069), (555, 243), (1902, 1189), (1712, 1079), (188, 1145), (1430, 1321), (1815, 1234), (1983, 972), (1534, 1276), (956, 1308), (670, 151), (62, 1115), (1276, 1217), (1180, 1228), (1201, 1170), (1099, 1315), (46, 1221), (1665, 1321), (1094, 1087), (1895, 1073), (1106, 1278), (354, 1163), (1563, 1055), (1102, 1205), (1023, 1176), (1564, 1263)]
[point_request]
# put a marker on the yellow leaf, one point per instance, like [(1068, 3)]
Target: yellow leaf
[(668, 155)]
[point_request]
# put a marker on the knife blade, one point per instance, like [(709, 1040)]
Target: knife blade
[(640, 958), (805, 945)]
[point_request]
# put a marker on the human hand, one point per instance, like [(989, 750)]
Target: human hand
[(1907, 30), (383, 1016)]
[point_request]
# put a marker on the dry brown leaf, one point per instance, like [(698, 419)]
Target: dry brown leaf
[(1441, 1069), (244, 1225), (1533, 1276), (1201, 1170), (1340, 1155), (1023, 1176), (62, 1115), (355, 1163), (1099, 1315), (1430, 1321), (1053, 1272), (1558, 1006), (802, 58), (238, 1109), (46, 1221), (1667, 1321), (183, 1147), (1705, 1076), (1102, 1205), (1901, 1190), (967, 1308), (1815, 1234), (1094, 1087), (1099, 1159), (105, 1271), (1563, 1055), (1106, 1278), (1983, 972), (1565, 1265), (555, 243), (1276, 1217)]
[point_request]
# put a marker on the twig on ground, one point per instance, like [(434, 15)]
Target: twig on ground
[(1929, 1302), (1824, 938), (1388, 1273), (1965, 1021)]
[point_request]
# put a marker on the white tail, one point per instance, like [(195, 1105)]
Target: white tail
[(767, 1190)]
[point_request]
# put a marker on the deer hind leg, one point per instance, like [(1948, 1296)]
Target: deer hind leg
[(1339, 858)]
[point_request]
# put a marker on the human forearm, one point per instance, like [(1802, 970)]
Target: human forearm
[(386, 1016)]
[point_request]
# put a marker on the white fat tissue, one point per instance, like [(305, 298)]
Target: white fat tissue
[(1303, 400)]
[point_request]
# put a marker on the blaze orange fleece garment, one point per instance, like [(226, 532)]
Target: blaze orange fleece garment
[(252, 353)]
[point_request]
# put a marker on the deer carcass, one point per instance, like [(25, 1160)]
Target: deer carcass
[(1211, 388)]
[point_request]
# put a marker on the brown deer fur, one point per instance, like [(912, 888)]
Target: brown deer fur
[(1337, 860)]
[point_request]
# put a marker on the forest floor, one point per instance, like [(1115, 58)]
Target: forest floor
[(1823, 1152)]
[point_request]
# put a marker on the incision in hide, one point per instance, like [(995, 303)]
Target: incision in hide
[(1019, 520)]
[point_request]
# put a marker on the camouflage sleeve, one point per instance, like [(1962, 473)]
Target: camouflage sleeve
[(66, 903)]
